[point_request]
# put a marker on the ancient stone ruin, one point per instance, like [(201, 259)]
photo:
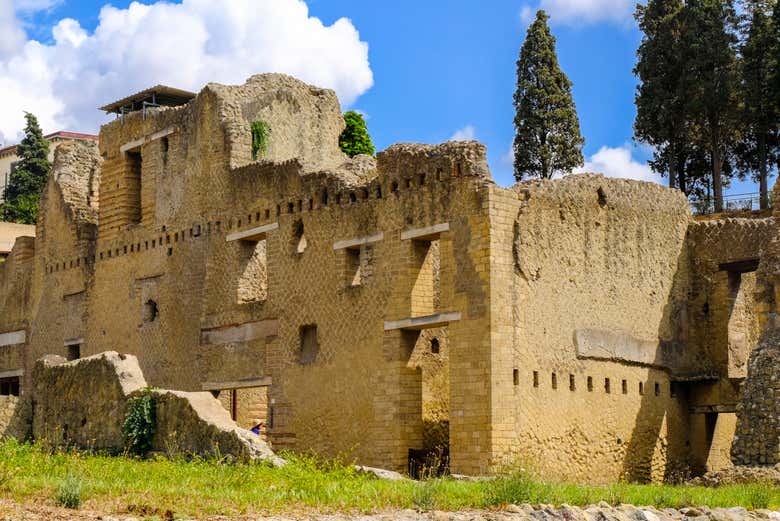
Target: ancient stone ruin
[(386, 309)]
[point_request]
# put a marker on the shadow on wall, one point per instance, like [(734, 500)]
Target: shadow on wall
[(659, 446)]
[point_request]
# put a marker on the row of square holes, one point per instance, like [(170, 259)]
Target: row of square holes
[(420, 179), (607, 384)]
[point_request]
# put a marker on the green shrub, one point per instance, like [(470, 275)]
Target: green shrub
[(140, 422), (69, 492), (260, 132)]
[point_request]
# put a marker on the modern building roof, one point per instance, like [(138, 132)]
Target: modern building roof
[(159, 95), (10, 231), (60, 134)]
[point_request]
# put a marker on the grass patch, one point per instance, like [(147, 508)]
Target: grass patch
[(69, 492), (164, 487)]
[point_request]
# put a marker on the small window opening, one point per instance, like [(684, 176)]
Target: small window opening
[(516, 376), (9, 386), (590, 384), (310, 347), (657, 389), (164, 147), (394, 187), (607, 388), (324, 198), (352, 197), (435, 346), (554, 381), (624, 386), (572, 383), (74, 352), (602, 197), (299, 238), (673, 389), (150, 311), (641, 388)]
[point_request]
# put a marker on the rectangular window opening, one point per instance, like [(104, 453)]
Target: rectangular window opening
[(74, 352), (607, 388), (554, 381), (253, 268), (426, 290), (515, 376), (572, 384), (590, 384), (133, 187), (624, 386), (310, 347), (536, 378), (657, 389), (9, 386)]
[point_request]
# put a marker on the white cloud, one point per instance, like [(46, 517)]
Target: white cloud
[(580, 12), (184, 45), (35, 5), (466, 133), (11, 34), (617, 162)]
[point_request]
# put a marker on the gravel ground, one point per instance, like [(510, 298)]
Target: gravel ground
[(10, 511)]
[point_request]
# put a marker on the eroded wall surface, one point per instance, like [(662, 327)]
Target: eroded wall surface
[(592, 274)]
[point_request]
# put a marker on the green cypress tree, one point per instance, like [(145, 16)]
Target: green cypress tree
[(710, 79), (758, 143), (354, 139), (547, 129), (661, 120), (28, 177)]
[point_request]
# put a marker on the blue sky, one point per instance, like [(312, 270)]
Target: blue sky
[(446, 67)]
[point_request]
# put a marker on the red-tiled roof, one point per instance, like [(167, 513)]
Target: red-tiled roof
[(63, 134)]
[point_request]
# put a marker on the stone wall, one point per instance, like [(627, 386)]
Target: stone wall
[(589, 278), (757, 438), (83, 404), (309, 287), (15, 415)]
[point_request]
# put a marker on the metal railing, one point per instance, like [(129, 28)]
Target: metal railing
[(731, 203)]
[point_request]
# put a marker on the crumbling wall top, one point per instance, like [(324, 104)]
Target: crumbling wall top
[(453, 158), (76, 171)]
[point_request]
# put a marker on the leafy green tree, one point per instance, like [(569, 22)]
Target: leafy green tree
[(354, 139), (758, 143), (29, 177), (661, 119), (709, 43), (547, 129)]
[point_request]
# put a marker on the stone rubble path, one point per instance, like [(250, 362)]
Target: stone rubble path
[(10, 511)]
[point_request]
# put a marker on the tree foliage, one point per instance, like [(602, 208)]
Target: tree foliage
[(29, 176), (660, 97), (547, 129), (758, 145), (355, 139)]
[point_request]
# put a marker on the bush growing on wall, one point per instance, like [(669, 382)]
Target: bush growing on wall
[(260, 131), (140, 422)]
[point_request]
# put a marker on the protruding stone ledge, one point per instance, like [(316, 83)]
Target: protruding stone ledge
[(237, 384), (253, 234), (241, 333), (427, 233), (13, 338), (425, 322), (354, 243)]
